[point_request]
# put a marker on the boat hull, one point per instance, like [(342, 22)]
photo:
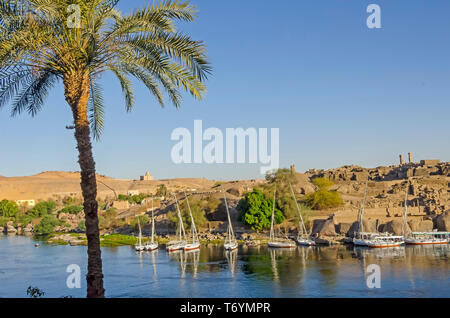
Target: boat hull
[(230, 246), (360, 242), (306, 242), (425, 242), (139, 248), (382, 244), (151, 247), (281, 245), (175, 247), (192, 247)]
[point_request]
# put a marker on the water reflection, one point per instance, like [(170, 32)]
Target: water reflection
[(231, 257), (247, 272)]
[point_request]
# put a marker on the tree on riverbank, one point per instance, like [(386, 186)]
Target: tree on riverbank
[(255, 210), (44, 42), (323, 198)]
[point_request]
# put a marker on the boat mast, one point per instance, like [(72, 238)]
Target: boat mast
[(361, 213), (193, 228), (230, 232), (272, 236), (302, 224), (181, 226), (405, 210), (140, 232), (153, 223)]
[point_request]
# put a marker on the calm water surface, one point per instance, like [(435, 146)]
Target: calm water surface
[(421, 271)]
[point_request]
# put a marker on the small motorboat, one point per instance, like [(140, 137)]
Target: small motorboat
[(305, 241)]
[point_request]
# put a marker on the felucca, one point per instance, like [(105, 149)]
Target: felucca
[(303, 238), (180, 244), (362, 238), (273, 241), (195, 243), (230, 242), (139, 247), (152, 245)]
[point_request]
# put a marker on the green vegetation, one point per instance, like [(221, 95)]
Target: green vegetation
[(162, 191), (198, 208), (323, 198), (143, 220), (72, 209), (133, 199), (82, 226), (117, 240), (255, 210), (47, 225), (8, 208), (42, 208)]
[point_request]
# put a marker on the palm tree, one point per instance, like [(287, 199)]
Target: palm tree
[(75, 41)]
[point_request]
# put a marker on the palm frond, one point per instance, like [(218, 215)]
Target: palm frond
[(33, 93), (96, 110)]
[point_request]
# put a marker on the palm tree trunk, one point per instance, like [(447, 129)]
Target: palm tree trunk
[(76, 89)]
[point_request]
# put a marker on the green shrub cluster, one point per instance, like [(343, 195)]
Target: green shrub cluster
[(47, 225), (73, 209), (255, 210), (42, 208), (323, 198), (133, 199), (199, 208), (8, 208)]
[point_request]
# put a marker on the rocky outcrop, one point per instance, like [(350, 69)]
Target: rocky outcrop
[(421, 225), (343, 228), (443, 222), (394, 227), (324, 227), (11, 230)]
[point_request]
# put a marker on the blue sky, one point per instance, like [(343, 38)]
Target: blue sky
[(339, 92)]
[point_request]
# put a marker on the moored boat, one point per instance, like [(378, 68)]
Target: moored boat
[(277, 242), (230, 241), (195, 243), (303, 238), (181, 242), (152, 245), (139, 247)]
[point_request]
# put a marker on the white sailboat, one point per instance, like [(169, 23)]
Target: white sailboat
[(139, 247), (362, 238), (195, 243), (152, 245), (276, 242), (302, 238), (181, 242), (230, 242)]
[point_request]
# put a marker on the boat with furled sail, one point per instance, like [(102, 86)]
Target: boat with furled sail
[(275, 242), (303, 238), (230, 241), (181, 242), (194, 244), (152, 245)]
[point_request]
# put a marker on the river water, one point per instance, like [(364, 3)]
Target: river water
[(419, 271)]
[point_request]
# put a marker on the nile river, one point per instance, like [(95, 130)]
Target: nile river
[(421, 271)]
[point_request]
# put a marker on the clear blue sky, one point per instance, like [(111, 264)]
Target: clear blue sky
[(339, 92)]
